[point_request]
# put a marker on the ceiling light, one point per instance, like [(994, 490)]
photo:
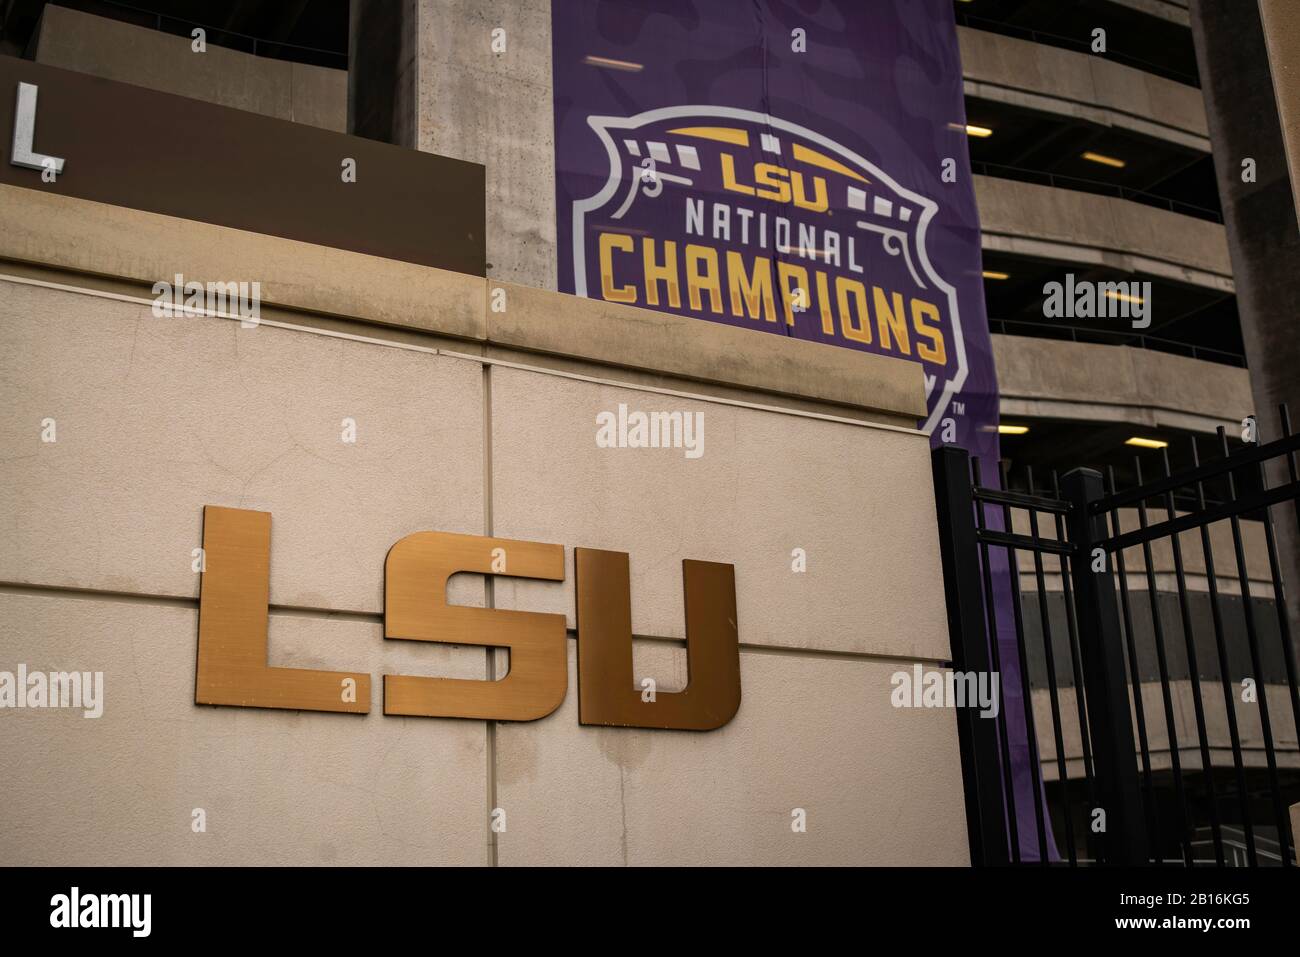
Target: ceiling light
[(1012, 429), (1147, 443), (613, 64), (970, 129), (1123, 296), (1104, 160), (993, 274)]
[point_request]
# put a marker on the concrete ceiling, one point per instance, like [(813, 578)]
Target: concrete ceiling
[(1155, 44)]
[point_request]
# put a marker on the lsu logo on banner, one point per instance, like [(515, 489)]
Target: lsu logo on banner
[(740, 217)]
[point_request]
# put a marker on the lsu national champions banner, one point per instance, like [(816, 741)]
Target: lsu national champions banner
[(795, 167)]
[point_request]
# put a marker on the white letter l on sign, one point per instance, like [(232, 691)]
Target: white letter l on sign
[(25, 134)]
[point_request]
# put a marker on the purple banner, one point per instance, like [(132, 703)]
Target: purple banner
[(796, 168)]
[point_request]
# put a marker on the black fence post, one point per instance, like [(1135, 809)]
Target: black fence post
[(1104, 684), (986, 822)]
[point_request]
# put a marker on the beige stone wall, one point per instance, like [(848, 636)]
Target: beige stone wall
[(277, 787), (609, 796), (465, 423)]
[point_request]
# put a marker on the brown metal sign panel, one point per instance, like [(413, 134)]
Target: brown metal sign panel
[(130, 146), (234, 592), (415, 608), (607, 694)]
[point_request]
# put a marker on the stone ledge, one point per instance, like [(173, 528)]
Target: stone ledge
[(1157, 241), (78, 236), (1078, 78), (1118, 383), (630, 337)]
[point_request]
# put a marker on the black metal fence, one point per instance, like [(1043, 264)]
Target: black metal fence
[(1119, 658)]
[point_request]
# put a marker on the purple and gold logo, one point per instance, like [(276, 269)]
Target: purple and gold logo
[(739, 217)]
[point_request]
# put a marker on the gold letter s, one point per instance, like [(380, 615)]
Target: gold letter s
[(416, 609)]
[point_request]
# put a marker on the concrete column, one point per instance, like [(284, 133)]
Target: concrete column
[(1260, 216), (1281, 21), (1295, 822), (382, 70), (469, 79)]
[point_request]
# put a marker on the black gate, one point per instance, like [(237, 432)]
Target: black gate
[(1117, 672)]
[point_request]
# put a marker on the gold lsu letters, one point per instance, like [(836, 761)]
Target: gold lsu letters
[(233, 616)]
